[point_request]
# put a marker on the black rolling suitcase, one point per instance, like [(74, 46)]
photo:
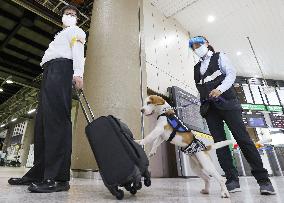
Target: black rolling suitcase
[(121, 161)]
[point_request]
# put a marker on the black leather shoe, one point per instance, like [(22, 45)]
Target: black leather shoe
[(49, 186), (21, 181)]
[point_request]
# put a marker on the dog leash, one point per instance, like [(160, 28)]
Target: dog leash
[(196, 102)]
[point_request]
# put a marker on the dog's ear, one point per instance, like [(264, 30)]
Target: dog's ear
[(157, 100)]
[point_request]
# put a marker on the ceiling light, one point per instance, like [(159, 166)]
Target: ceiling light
[(1, 90), (14, 119), (2, 126), (9, 81), (31, 111), (239, 53), (211, 19)]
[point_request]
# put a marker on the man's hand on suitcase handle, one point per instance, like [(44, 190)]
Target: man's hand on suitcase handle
[(78, 82), (138, 141)]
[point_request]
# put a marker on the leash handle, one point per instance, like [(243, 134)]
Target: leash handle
[(78, 94)]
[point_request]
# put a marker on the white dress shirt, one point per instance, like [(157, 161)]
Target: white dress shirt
[(226, 68), (68, 43)]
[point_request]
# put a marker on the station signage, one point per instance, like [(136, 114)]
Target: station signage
[(262, 107), (254, 107), (275, 108)]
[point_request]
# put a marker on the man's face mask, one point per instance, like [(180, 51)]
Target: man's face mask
[(69, 20), (201, 51)]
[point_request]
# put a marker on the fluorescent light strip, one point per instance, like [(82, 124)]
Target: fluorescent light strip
[(9, 81), (31, 111)]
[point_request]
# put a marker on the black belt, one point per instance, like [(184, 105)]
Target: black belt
[(46, 64)]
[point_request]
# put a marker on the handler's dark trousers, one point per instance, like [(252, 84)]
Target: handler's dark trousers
[(53, 127), (233, 119)]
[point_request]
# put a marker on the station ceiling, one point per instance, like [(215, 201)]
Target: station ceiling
[(228, 23)]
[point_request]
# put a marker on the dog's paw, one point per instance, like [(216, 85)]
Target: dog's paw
[(204, 192), (225, 194)]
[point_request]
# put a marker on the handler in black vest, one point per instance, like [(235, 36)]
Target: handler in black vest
[(214, 76)]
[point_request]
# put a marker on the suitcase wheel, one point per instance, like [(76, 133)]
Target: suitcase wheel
[(128, 186), (133, 190), (138, 185), (147, 182), (119, 194), (147, 178)]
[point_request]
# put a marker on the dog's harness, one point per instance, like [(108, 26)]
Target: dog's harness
[(178, 126), (194, 147)]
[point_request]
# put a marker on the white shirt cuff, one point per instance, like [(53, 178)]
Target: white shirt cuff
[(220, 89), (78, 74)]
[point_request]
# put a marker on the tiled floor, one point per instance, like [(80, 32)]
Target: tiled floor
[(162, 190)]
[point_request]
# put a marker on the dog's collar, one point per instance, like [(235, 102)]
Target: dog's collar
[(164, 111), (163, 114)]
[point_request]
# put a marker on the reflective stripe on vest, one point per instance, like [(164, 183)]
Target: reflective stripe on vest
[(211, 77)]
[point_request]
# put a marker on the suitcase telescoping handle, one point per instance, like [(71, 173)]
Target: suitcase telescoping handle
[(78, 93)]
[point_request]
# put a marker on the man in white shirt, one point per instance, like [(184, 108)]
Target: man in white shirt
[(63, 64)]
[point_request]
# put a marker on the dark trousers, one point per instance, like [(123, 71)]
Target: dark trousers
[(53, 127), (233, 119)]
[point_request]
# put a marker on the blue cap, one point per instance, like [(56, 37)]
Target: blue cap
[(195, 40)]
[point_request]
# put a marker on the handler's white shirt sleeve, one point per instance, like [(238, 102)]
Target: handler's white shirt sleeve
[(69, 43), (229, 70)]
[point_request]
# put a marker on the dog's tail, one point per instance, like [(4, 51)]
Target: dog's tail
[(218, 145)]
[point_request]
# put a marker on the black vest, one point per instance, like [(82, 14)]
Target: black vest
[(212, 78)]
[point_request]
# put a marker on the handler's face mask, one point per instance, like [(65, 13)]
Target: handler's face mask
[(69, 20), (201, 51)]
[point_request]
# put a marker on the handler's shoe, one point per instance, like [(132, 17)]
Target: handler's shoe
[(266, 188), (233, 186)]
